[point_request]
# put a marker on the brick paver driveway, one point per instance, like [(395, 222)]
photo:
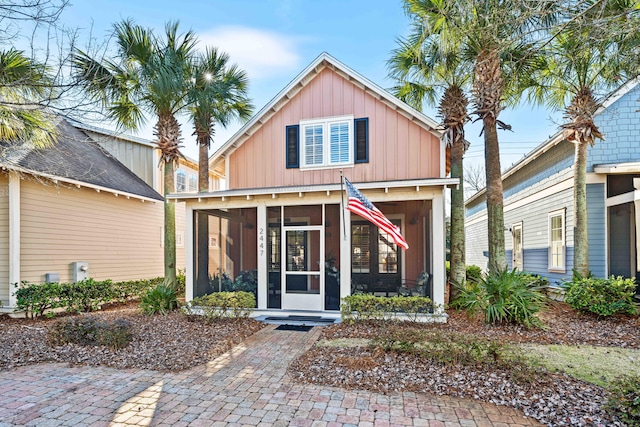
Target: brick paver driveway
[(247, 386)]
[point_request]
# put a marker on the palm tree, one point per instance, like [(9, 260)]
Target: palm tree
[(580, 68), (23, 84), (149, 75), (423, 68), (218, 95), (496, 37)]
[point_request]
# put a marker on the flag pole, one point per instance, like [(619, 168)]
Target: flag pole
[(344, 225)]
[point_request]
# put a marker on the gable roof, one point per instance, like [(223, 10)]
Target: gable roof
[(77, 159), (323, 61), (556, 139)]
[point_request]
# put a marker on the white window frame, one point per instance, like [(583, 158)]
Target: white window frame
[(563, 267), (326, 147), (178, 173)]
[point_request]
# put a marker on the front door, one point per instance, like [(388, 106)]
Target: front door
[(303, 272), (375, 259)]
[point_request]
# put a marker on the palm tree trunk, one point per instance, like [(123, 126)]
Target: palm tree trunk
[(202, 285), (457, 257), (203, 166), (495, 209), (169, 227), (580, 237)]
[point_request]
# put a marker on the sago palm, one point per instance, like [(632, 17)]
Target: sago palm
[(423, 69), (150, 74), (24, 83), (580, 68)]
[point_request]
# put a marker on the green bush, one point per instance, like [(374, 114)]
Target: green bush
[(603, 297), (159, 300), (88, 330), (131, 289), (222, 305), (35, 299), (624, 400), (507, 296), (361, 307), (473, 273), (86, 295)]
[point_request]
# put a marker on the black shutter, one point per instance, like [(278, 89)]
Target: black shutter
[(293, 160), (361, 148)]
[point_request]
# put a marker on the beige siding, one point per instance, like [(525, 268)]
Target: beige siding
[(398, 147), (4, 239), (137, 157), (120, 238)]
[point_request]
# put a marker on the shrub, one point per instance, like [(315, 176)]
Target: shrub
[(159, 300), (506, 296), (86, 295), (624, 400), (473, 273), (35, 299), (603, 297), (88, 330), (222, 305), (360, 307), (124, 291)]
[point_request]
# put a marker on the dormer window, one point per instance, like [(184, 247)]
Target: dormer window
[(328, 142)]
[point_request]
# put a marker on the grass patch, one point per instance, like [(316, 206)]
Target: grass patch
[(597, 365), (345, 343)]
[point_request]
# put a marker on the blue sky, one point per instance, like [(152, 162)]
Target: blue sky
[(273, 40)]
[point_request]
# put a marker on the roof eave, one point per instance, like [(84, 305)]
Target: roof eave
[(80, 184)]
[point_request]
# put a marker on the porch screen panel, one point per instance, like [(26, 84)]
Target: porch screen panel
[(360, 244)]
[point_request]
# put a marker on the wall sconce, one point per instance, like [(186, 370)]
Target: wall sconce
[(413, 221), (248, 226)]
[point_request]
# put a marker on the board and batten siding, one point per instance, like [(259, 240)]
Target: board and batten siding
[(139, 158), (4, 239), (596, 229), (398, 147), (120, 238)]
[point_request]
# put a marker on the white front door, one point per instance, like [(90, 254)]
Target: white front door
[(303, 269)]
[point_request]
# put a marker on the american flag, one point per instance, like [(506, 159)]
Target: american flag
[(360, 205)]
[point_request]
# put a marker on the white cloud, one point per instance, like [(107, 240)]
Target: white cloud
[(262, 54)]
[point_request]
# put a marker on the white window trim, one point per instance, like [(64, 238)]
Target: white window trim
[(563, 268), (325, 122)]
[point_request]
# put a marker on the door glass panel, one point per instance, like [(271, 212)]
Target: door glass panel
[(303, 261), (360, 257), (387, 253)]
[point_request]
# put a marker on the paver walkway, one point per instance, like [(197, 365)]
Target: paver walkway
[(247, 386)]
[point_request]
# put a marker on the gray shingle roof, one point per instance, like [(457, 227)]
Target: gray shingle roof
[(77, 157)]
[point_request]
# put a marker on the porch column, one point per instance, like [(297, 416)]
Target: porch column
[(14, 236), (189, 253), (439, 249), (345, 252), (263, 277)]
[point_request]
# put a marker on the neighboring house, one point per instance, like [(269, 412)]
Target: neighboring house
[(88, 206), (280, 216), (538, 201)]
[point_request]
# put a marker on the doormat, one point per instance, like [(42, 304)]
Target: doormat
[(294, 328)]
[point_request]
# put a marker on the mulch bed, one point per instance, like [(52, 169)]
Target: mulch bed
[(554, 399), (172, 342)]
